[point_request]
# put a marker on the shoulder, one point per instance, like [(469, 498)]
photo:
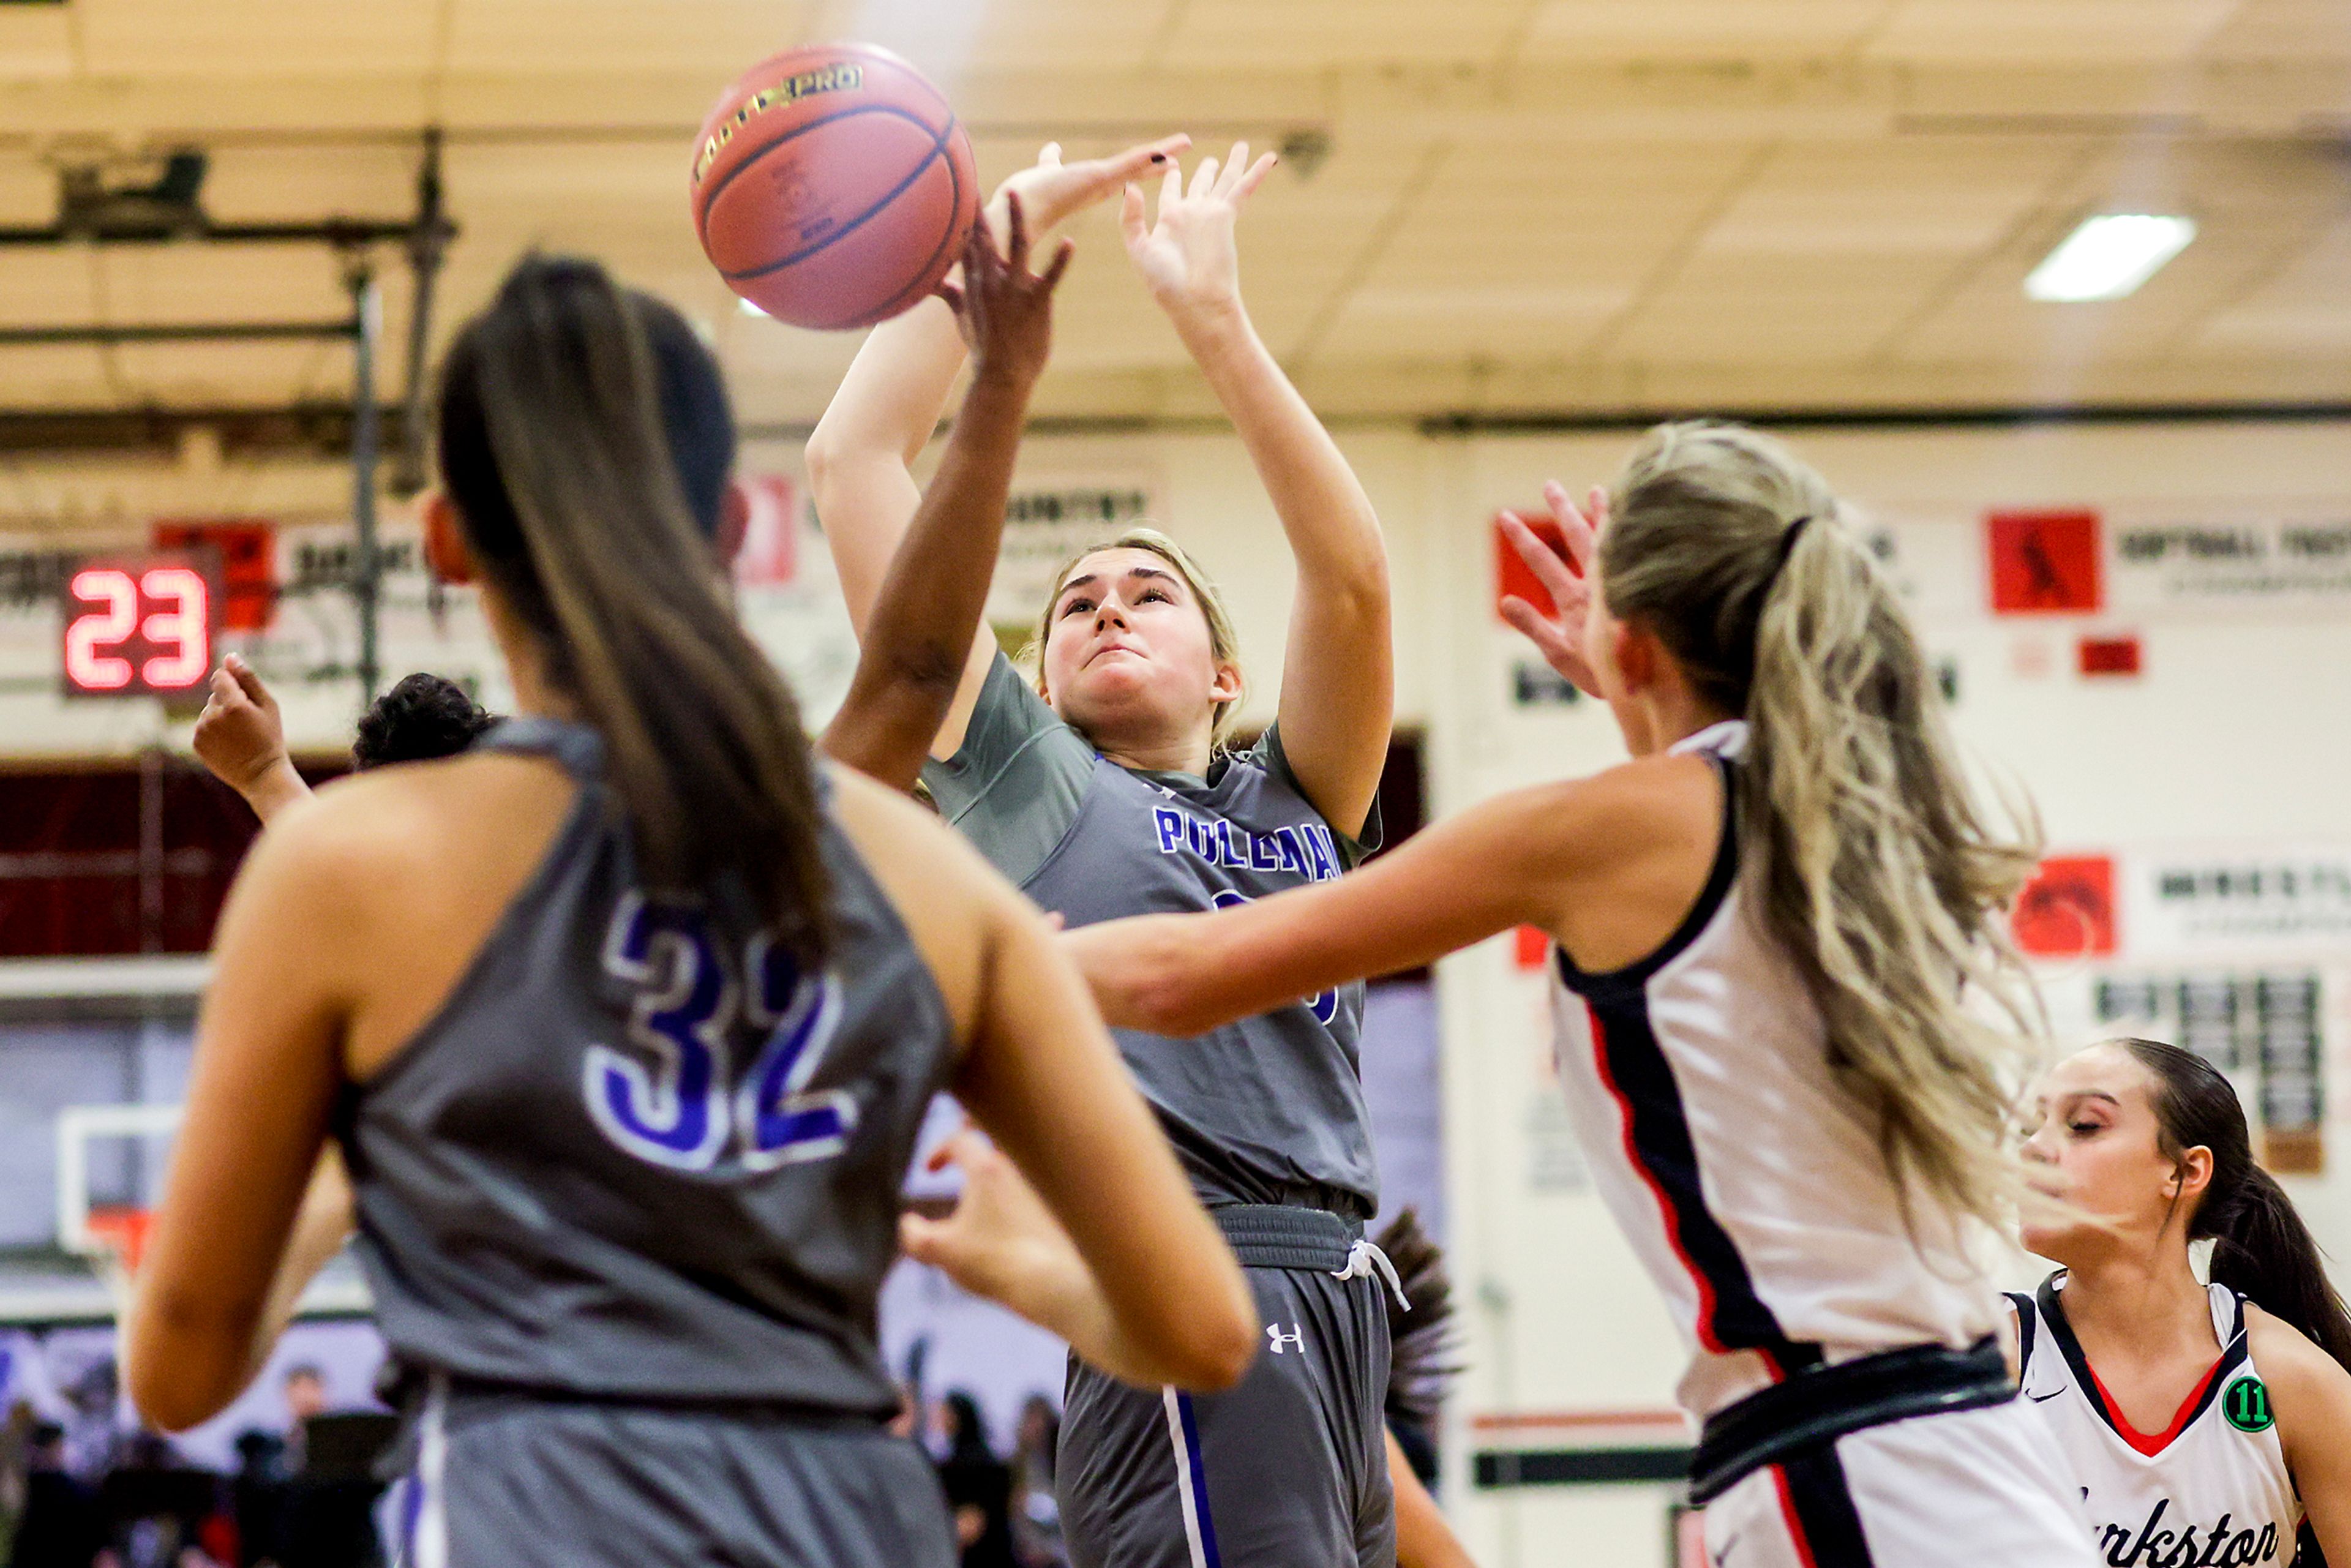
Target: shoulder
[(367, 832), (1624, 813), (2310, 1390)]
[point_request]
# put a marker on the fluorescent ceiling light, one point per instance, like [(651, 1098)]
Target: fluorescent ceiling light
[(2109, 256), (750, 308)]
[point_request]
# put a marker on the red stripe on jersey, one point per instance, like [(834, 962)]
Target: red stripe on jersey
[(1795, 1525), (2152, 1444), (1705, 1304)]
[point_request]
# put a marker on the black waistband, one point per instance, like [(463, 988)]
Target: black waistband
[(1275, 1236), (1817, 1407)]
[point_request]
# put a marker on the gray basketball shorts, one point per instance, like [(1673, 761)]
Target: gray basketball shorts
[(1286, 1469), (506, 1482)]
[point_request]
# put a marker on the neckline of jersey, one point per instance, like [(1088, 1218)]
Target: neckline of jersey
[(2148, 1445), (2153, 1443)]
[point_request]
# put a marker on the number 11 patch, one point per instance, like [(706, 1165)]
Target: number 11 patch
[(2247, 1406)]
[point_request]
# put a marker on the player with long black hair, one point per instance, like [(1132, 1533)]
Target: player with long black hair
[(625, 1021), (2206, 1420)]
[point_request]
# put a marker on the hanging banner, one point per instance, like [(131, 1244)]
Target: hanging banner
[(2262, 564), (2288, 898)]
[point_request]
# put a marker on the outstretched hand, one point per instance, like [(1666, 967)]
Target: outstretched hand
[(1051, 190), (1003, 310), (1186, 253), (1000, 1241), (239, 736), (1559, 636)]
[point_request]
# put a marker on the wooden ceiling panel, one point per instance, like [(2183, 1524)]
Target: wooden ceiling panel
[(2297, 312), (55, 377), (1584, 30), (1947, 196), (527, 38), (48, 285), (1769, 308), (244, 39), (1317, 33), (2295, 30), (2047, 32), (181, 283), (36, 43), (296, 183)]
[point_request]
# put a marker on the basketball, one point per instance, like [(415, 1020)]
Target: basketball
[(833, 186)]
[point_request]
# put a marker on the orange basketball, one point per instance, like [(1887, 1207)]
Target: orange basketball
[(833, 187)]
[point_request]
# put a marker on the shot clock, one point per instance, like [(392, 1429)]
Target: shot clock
[(141, 625)]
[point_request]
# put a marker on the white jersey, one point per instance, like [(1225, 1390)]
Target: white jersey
[(2213, 1489), (1749, 1181)]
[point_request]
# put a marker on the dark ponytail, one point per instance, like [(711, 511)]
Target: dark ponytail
[(2261, 1248), (552, 447)]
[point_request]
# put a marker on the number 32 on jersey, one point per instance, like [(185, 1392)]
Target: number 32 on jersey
[(673, 1097)]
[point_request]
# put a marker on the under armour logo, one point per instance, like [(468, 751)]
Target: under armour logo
[(1295, 1339)]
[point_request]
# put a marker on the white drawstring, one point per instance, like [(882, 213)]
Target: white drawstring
[(1365, 1259)]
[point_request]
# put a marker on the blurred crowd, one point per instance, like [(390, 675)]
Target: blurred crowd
[(1000, 1500), (83, 1492)]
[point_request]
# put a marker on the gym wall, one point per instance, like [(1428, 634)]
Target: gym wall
[(2183, 735)]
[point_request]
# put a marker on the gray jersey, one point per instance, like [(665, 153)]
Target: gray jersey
[(634, 1157), (1267, 1109)]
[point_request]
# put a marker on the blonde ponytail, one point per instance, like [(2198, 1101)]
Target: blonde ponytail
[(1878, 869)]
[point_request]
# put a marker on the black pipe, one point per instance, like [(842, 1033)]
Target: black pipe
[(428, 247), (367, 582), (176, 332)]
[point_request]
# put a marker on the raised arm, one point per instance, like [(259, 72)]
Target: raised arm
[(1338, 677), (917, 643), (1608, 865), (241, 739), (860, 457)]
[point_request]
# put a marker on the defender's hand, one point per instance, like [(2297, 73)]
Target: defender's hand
[(1559, 637), (1003, 310)]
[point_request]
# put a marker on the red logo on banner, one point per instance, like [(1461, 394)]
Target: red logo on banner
[(2110, 656), (2045, 563), (248, 553), (771, 533), (2067, 910), (1513, 576)]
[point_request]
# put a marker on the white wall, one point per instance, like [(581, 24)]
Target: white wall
[(2235, 741)]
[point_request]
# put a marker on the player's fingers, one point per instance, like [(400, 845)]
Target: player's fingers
[(1051, 277), (1204, 178), (1247, 186), (1055, 920), (1574, 528), (1049, 155), (1235, 167), (952, 293), (1171, 188), (247, 679), (1016, 252), (1541, 558), (1138, 161), (1533, 625), (918, 1237), (1130, 216)]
